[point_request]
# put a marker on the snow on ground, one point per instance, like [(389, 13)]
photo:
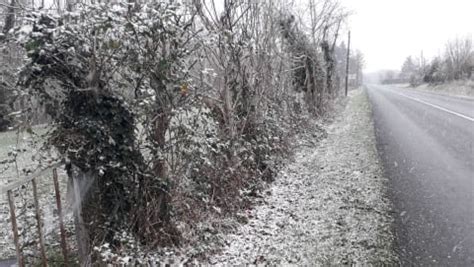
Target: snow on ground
[(457, 88), (327, 207), (11, 142)]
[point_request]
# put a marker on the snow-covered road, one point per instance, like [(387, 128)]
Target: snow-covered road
[(327, 207)]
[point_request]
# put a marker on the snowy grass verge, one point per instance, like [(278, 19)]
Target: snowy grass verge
[(328, 207), (455, 88)]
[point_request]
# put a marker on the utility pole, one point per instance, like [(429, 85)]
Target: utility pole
[(347, 60)]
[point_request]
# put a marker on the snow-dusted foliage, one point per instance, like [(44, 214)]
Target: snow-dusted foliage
[(173, 112), (77, 70)]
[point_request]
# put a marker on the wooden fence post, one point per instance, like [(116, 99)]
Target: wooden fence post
[(38, 223), (61, 219), (19, 255), (348, 61)]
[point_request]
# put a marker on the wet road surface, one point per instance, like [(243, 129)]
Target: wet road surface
[(425, 141)]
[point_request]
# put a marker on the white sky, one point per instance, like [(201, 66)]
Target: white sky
[(387, 31)]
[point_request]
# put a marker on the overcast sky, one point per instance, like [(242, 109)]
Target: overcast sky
[(387, 31)]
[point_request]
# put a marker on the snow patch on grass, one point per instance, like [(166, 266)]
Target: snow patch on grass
[(457, 88), (328, 207), (23, 147)]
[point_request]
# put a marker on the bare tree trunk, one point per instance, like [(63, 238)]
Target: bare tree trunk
[(10, 17), (69, 5)]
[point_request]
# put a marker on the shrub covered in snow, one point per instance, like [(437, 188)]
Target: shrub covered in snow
[(171, 113)]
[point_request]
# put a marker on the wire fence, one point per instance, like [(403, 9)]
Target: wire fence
[(36, 226)]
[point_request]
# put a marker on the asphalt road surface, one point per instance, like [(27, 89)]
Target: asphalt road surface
[(425, 141)]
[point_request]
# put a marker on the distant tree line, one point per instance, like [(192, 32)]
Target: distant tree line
[(456, 63)]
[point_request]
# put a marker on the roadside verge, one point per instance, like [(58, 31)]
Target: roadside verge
[(328, 207)]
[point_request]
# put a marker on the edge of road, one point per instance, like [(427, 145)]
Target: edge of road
[(437, 107), (439, 93), (387, 190)]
